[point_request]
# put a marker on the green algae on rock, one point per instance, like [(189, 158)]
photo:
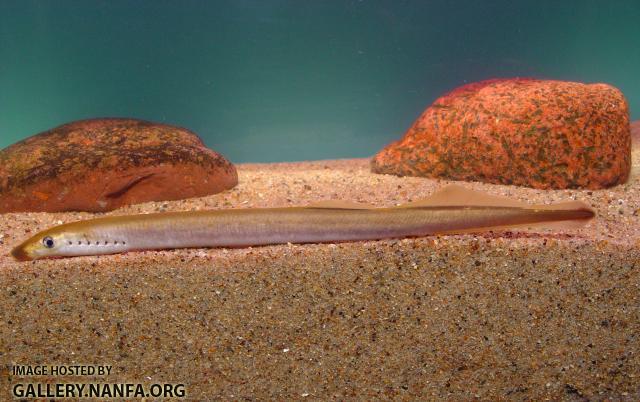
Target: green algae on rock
[(527, 132), (102, 164)]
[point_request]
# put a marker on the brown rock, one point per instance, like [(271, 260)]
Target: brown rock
[(535, 133), (102, 164), (635, 132)]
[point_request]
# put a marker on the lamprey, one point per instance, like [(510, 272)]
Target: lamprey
[(449, 211)]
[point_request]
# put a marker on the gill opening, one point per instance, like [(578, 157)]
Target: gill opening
[(98, 242)]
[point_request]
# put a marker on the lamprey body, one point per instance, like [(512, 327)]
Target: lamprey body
[(452, 210)]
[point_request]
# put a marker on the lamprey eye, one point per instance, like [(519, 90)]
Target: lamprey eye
[(48, 242)]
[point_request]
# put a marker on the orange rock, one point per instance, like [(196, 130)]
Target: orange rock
[(102, 164), (535, 133)]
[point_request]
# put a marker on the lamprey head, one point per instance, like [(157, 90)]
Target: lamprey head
[(42, 245), (68, 240)]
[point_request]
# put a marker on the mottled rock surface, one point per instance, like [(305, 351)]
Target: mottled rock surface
[(102, 164), (635, 131), (535, 133)]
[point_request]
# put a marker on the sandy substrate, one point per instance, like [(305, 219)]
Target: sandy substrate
[(505, 315)]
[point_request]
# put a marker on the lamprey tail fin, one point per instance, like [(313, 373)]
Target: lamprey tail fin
[(564, 206), (458, 196), (578, 215)]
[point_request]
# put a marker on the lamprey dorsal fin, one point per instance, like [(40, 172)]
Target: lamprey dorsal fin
[(458, 196)]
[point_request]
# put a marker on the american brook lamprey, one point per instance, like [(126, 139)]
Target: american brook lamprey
[(451, 210)]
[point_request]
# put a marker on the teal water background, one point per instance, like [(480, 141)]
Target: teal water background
[(284, 80)]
